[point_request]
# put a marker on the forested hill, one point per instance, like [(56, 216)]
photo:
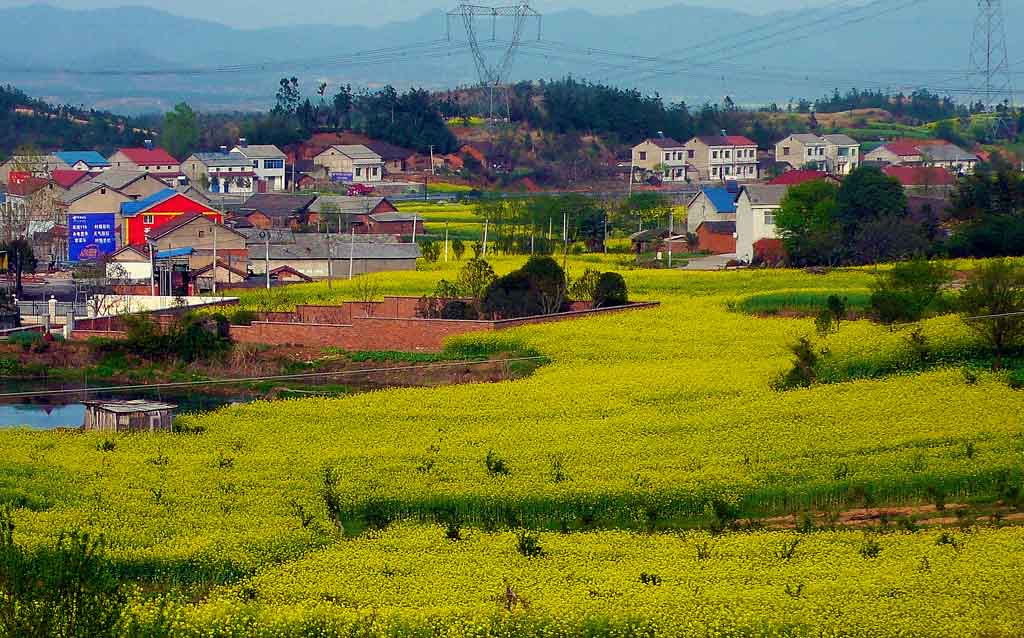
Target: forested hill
[(28, 121)]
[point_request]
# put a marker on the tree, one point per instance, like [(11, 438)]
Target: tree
[(474, 278), (908, 290), (808, 224), (288, 97), (992, 304), (868, 193), (20, 259), (180, 135), (547, 283), (342, 102), (458, 248), (646, 207), (611, 291)]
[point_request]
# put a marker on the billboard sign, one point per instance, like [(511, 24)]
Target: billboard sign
[(91, 236), (341, 177)]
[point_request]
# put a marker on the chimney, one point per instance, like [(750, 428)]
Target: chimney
[(661, 134), (224, 150), (724, 134), (242, 142), (148, 144)]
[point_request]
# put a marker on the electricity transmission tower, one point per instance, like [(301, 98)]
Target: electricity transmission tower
[(493, 72), (990, 67)]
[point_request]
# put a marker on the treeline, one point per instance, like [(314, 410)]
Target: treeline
[(921, 104), (62, 126), (410, 119), (869, 219)]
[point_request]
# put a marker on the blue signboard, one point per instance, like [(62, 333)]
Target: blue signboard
[(341, 177), (91, 236)]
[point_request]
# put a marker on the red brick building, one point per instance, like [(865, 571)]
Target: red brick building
[(719, 238)]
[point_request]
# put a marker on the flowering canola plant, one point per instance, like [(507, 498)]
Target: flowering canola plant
[(656, 420)]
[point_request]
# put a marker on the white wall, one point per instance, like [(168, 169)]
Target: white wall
[(135, 270), (751, 228), (113, 305)]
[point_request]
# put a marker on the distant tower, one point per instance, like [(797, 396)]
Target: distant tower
[(492, 74), (990, 66)]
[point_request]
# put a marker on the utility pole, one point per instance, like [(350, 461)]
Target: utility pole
[(990, 67), (446, 242), (565, 240), (215, 259), (352, 254), (486, 223), (330, 259), (670, 233), (152, 268), (432, 160), (266, 256)]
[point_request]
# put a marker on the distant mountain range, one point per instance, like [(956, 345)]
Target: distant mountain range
[(702, 54)]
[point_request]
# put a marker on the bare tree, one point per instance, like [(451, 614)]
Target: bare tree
[(367, 289)]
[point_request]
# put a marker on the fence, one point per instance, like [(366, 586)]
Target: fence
[(57, 309)]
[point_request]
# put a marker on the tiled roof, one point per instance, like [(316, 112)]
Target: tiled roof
[(841, 140), (765, 195), (921, 175), (236, 160), (174, 225), (357, 152), (351, 205), (947, 153), (91, 158), (277, 205), (666, 142), (727, 140), (261, 151), (67, 179), (313, 246), (904, 148), (793, 178), (119, 177), (721, 199), (27, 186), (396, 217), (149, 157)]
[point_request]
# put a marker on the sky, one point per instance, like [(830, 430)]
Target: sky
[(265, 13)]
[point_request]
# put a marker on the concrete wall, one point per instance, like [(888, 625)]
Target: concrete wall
[(317, 268), (751, 227)]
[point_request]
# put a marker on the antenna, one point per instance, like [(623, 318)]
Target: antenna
[(492, 74), (990, 67)]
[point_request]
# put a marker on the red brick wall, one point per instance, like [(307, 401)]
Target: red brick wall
[(717, 243)]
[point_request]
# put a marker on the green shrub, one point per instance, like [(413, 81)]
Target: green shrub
[(27, 340), (244, 318), (611, 291), (9, 367), (1017, 379), (908, 291)]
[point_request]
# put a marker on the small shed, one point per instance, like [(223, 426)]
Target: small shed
[(128, 416)]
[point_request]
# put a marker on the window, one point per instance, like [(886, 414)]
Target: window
[(668, 156), (147, 219), (714, 154), (810, 152), (255, 163), (714, 171), (275, 163), (727, 154), (201, 234), (843, 152), (769, 219), (690, 154), (359, 172), (643, 156), (375, 170), (821, 151), (728, 170), (785, 150)]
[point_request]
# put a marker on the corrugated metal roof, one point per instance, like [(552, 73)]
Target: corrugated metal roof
[(149, 157), (345, 204), (721, 199), (134, 208), (130, 407), (91, 158), (236, 160), (315, 247)]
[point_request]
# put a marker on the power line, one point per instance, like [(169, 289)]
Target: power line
[(282, 377)]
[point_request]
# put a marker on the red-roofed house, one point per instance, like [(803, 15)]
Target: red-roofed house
[(68, 178), (721, 158), (902, 152), (797, 177), (149, 159), (921, 176)]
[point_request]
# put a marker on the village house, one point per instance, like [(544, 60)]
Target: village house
[(833, 154), (143, 217), (147, 159), (66, 179), (355, 213), (135, 184), (276, 210), (41, 165), (128, 416), (307, 253), (718, 238), (721, 158), (396, 159), (352, 163), (711, 204), (923, 179), (755, 221), (662, 156), (268, 163), (84, 161), (221, 172), (202, 234), (949, 157)]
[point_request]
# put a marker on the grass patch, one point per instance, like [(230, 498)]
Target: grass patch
[(804, 302)]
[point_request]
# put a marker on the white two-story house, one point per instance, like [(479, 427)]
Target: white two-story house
[(221, 172), (755, 219), (268, 163), (722, 158), (834, 154)]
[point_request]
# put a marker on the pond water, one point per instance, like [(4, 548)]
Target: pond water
[(67, 411)]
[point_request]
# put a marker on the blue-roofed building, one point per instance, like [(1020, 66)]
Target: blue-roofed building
[(711, 204), (85, 161)]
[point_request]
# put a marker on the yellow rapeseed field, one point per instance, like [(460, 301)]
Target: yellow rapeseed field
[(642, 425)]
